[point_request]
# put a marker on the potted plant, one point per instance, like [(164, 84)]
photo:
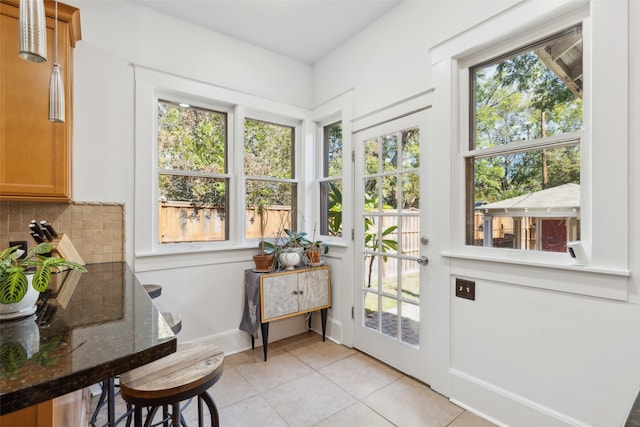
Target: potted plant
[(314, 249), (22, 279), (264, 260)]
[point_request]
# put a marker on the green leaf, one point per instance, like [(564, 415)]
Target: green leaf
[(13, 286)]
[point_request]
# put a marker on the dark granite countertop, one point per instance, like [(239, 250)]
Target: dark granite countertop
[(108, 327)]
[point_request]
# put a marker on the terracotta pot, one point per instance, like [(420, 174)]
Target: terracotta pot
[(313, 255), (264, 263)]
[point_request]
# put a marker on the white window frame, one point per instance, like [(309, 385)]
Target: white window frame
[(153, 85), (337, 109), (604, 139)]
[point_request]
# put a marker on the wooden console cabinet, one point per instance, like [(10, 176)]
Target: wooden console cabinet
[(281, 294), (35, 154)]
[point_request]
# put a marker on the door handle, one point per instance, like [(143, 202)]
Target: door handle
[(423, 260)]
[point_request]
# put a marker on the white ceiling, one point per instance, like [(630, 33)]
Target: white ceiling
[(306, 30)]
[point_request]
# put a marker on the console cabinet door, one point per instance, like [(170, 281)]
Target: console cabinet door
[(279, 296), (313, 289)]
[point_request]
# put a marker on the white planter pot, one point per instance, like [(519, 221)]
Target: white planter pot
[(24, 307), (289, 260)]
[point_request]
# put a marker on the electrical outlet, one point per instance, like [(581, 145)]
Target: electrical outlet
[(466, 289), (22, 244)]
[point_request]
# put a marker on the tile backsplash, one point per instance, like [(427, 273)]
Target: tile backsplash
[(95, 229)]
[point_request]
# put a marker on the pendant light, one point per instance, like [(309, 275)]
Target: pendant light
[(56, 85), (33, 31)]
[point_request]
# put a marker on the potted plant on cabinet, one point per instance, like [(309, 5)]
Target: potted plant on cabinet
[(313, 250), (22, 279), (264, 260)]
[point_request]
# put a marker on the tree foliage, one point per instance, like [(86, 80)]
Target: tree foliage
[(522, 99)]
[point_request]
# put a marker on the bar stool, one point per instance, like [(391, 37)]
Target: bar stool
[(180, 376), (154, 291), (108, 392)]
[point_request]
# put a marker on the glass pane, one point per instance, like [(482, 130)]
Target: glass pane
[(390, 152), (411, 149), (390, 192), (389, 321), (389, 234), (409, 243), (371, 150), (410, 281), (274, 198), (333, 150), (371, 201), (331, 205), (532, 94), (195, 190), (371, 233), (371, 272), (371, 318), (268, 149), (410, 191), (192, 209), (513, 192), (191, 139), (410, 326), (390, 276)]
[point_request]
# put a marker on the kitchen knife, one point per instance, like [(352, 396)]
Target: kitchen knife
[(44, 232), (35, 229), (50, 229), (36, 237)]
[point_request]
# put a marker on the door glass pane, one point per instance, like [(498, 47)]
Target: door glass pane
[(389, 319), (410, 191), (390, 192), (390, 153), (371, 272), (389, 234), (371, 150), (390, 276), (410, 323), (410, 149), (371, 318)]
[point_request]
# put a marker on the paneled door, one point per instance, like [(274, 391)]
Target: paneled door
[(391, 248)]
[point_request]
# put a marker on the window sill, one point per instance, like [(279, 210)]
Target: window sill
[(601, 282)]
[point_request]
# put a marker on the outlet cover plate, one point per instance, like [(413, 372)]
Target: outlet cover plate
[(466, 289)]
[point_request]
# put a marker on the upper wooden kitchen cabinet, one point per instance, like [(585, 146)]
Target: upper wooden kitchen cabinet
[(35, 154)]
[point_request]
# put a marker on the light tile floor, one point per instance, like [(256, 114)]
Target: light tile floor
[(307, 382)]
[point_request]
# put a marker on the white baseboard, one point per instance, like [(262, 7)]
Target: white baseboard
[(236, 341), (481, 398)]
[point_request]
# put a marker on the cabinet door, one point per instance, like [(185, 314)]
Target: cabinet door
[(313, 289), (279, 295), (35, 155)]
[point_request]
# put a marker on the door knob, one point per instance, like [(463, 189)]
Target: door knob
[(423, 260)]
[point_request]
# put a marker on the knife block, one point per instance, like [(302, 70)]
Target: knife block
[(63, 248)]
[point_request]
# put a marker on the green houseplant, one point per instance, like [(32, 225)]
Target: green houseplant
[(14, 283)]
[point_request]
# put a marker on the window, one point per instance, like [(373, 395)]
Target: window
[(331, 181), (192, 174), (271, 187), (523, 163)]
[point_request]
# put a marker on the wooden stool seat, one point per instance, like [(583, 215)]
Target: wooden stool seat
[(187, 373)]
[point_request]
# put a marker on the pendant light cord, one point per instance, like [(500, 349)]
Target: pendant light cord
[(55, 36)]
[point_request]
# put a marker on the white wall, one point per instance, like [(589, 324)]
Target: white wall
[(116, 34), (520, 355)]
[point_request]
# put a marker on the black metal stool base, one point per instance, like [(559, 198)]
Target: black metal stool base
[(175, 418)]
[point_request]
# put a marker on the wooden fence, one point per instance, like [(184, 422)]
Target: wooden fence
[(181, 222)]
